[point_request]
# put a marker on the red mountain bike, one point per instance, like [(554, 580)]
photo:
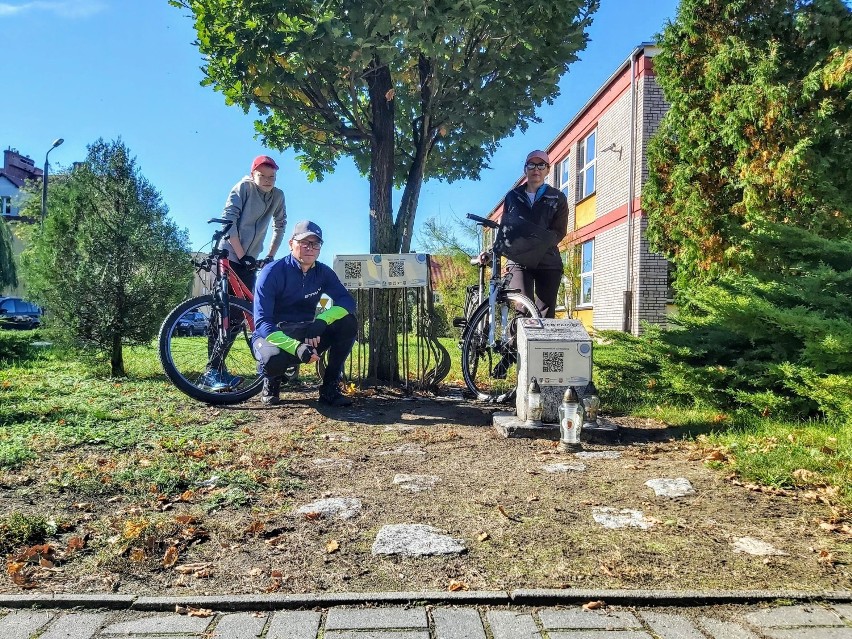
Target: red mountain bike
[(205, 342)]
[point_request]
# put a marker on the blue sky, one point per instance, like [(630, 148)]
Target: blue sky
[(83, 69)]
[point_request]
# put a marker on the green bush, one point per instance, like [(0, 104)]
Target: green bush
[(17, 345)]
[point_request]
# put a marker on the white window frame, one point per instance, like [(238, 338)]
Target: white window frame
[(585, 273), (563, 174), (586, 165), (6, 205)]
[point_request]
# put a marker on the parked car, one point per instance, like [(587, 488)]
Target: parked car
[(18, 313), (192, 323)]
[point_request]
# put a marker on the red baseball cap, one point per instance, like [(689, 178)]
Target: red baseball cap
[(538, 155), (261, 160)]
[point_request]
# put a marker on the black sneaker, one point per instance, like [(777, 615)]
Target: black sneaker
[(333, 397), (271, 390)]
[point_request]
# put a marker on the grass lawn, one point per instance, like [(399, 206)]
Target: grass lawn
[(132, 468)]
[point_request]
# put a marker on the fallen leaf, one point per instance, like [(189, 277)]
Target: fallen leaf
[(456, 585), (503, 511), (715, 455), (171, 557), (332, 546), (137, 555), (186, 519), (255, 528), (75, 544), (532, 498), (594, 605), (312, 516), (187, 495), (483, 536), (192, 568), (193, 612)]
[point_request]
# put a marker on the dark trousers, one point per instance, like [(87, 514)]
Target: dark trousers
[(337, 339), (540, 285)]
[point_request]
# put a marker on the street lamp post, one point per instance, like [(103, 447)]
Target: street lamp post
[(55, 144)]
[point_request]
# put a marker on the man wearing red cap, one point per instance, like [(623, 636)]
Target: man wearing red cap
[(251, 205)]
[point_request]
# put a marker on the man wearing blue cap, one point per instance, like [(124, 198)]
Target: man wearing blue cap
[(286, 332)]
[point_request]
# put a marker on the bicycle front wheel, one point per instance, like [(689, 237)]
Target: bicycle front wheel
[(207, 367), (491, 370)]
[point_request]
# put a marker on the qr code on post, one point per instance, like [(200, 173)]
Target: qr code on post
[(352, 270), (396, 268), (552, 361)]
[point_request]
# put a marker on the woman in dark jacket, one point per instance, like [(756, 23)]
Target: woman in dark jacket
[(547, 208)]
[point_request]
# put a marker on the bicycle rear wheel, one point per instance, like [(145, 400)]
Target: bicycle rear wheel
[(187, 360), (491, 371)]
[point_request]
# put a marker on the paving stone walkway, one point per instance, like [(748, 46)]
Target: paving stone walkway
[(758, 621)]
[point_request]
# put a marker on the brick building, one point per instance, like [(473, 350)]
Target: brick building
[(16, 170), (599, 162)]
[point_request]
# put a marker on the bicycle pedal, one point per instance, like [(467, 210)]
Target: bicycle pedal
[(459, 322)]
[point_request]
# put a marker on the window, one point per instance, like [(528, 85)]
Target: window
[(563, 173), (586, 154), (5, 205), (585, 270)]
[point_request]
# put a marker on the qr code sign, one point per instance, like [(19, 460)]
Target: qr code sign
[(352, 270), (396, 268), (552, 361)]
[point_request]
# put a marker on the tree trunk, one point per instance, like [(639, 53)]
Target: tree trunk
[(384, 360), (117, 357)]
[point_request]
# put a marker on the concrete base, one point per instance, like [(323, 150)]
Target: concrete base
[(508, 425)]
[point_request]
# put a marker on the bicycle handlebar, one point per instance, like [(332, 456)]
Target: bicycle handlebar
[(483, 221)]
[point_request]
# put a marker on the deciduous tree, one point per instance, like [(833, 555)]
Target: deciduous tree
[(410, 90)]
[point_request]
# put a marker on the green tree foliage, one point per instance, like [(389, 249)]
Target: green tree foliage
[(409, 90), (8, 272), (109, 263), (452, 245), (750, 195)]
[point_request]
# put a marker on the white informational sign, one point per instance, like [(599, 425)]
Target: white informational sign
[(382, 270), (359, 271)]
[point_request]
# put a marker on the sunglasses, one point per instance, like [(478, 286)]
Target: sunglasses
[(541, 166)]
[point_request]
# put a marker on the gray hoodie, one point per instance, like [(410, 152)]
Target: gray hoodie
[(250, 210)]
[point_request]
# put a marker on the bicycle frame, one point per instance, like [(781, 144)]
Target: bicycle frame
[(497, 283), (225, 276)]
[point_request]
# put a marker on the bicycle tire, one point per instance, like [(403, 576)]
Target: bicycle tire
[(185, 359), (479, 360)]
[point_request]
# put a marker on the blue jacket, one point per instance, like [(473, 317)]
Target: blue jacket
[(283, 293)]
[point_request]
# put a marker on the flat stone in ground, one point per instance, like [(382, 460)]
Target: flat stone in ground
[(808, 633), (664, 487), (416, 483), (756, 547), (341, 507), (563, 467), (79, 625), (405, 449), (614, 518), (159, 624), (415, 540), (333, 463), (598, 454)]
